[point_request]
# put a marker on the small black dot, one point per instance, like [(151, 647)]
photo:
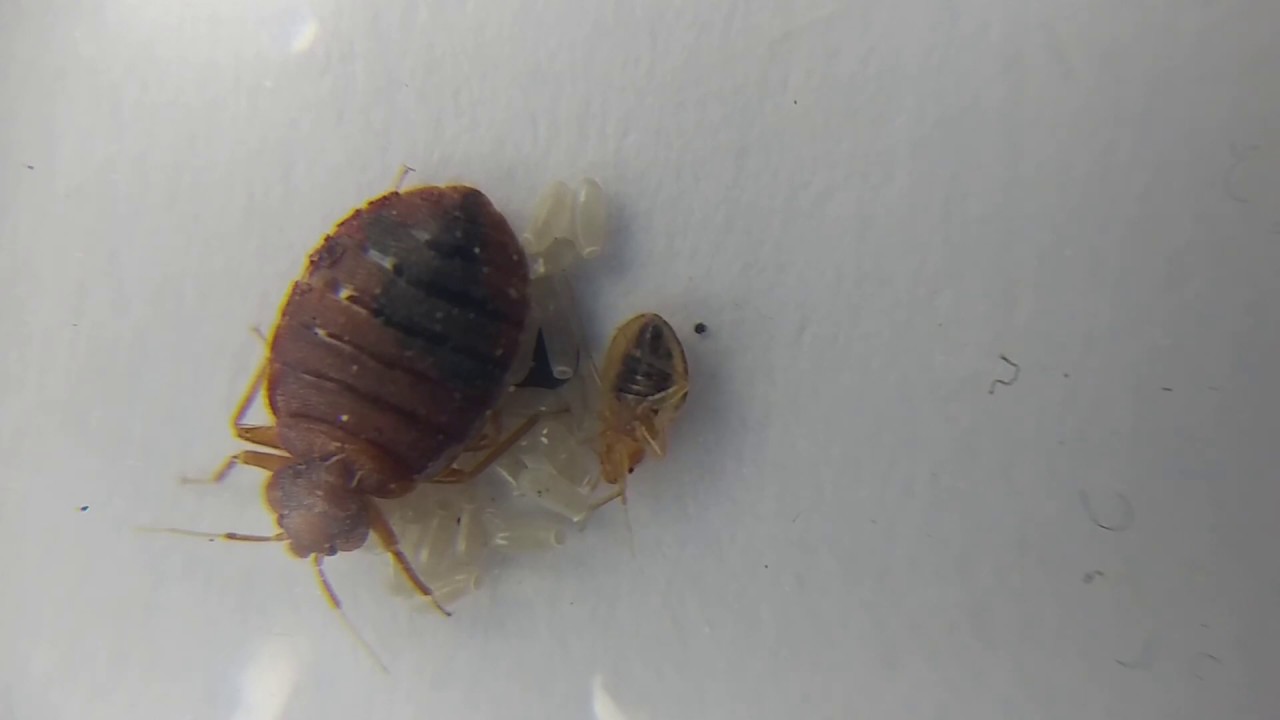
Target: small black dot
[(700, 328), (31, 167), (1167, 389), (766, 567), (84, 508)]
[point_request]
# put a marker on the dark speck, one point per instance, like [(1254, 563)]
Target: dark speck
[(1066, 375), (31, 167), (766, 567), (795, 102), (84, 508), (1091, 576), (700, 328), (1167, 389)]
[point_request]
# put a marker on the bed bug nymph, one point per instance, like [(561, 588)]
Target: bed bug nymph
[(644, 384), (390, 353)]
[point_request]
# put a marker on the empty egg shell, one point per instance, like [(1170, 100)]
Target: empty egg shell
[(591, 219), (518, 534), (552, 218), (553, 447), (553, 492)]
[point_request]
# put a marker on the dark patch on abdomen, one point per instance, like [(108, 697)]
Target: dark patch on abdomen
[(647, 367), (441, 297)]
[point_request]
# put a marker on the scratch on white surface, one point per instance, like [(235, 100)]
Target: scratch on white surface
[(604, 705), (1238, 156), (1253, 177), (268, 681), (794, 32), (1124, 519)]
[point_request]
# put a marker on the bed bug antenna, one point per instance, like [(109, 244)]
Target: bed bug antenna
[(346, 621)]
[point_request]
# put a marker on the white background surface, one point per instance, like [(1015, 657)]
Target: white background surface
[(868, 202)]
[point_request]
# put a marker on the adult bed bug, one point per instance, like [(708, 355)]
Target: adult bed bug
[(644, 384), (391, 351)]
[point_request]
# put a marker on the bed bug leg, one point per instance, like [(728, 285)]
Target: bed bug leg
[(619, 491), (490, 434), (250, 393), (387, 536), (253, 458), (458, 475), (652, 425), (264, 435)]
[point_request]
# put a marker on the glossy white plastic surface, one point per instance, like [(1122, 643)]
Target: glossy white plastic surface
[(868, 203)]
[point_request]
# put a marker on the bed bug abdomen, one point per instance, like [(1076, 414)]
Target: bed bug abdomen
[(403, 331), (651, 360)]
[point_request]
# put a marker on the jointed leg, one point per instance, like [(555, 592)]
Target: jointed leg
[(254, 458), (457, 475), (264, 435), (659, 411), (617, 467), (651, 436), (250, 394), (387, 536), (619, 491), (490, 434)]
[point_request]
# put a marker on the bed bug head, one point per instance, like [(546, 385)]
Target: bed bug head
[(317, 509)]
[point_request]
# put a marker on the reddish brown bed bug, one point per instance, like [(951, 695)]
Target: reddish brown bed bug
[(644, 384), (388, 358)]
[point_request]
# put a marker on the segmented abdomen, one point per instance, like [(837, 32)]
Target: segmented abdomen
[(648, 366), (404, 328)]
